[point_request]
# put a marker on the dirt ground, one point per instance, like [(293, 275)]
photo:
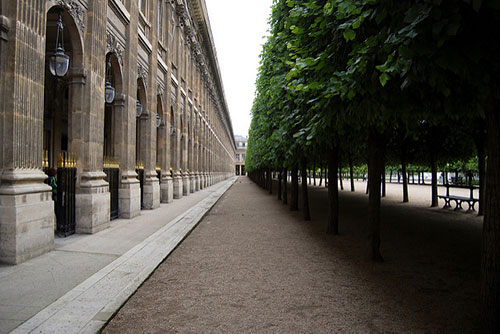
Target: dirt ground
[(252, 266)]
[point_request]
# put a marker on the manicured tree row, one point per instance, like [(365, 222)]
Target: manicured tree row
[(378, 79)]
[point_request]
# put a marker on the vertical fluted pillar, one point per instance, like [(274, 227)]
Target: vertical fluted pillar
[(130, 191), (26, 206)]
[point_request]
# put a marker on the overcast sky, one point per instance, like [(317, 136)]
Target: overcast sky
[(238, 27)]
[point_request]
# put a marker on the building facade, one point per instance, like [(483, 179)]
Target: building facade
[(139, 117), (241, 148)]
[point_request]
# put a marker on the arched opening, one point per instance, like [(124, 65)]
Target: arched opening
[(182, 147), (190, 148), (172, 138), (61, 95), (111, 142), (160, 137), (139, 131)]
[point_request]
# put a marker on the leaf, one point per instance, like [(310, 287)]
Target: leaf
[(384, 77), (349, 35)]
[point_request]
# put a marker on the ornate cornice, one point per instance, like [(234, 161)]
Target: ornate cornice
[(76, 12), (113, 46)]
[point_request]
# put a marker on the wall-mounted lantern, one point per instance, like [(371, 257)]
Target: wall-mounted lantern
[(109, 90), (158, 120), (59, 61), (138, 105)]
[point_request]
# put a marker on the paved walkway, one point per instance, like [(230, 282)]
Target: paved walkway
[(78, 286), (252, 266)]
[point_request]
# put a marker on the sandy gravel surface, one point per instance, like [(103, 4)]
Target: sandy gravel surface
[(252, 266)]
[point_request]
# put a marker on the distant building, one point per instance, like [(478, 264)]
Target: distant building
[(241, 148)]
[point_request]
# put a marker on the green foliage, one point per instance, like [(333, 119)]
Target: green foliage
[(331, 70)]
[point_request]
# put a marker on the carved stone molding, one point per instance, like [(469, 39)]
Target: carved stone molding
[(160, 89), (142, 72), (113, 46), (76, 12), (4, 28)]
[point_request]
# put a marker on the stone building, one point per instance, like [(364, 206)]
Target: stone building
[(241, 148), (139, 117)]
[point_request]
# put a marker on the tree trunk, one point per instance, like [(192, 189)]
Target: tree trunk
[(351, 172), (305, 197), (294, 202), (490, 255), (314, 174), (481, 163), (332, 226), (269, 181), (327, 175), (383, 181), (279, 184), (404, 173), (390, 176), (285, 186), (375, 167), (320, 176), (434, 183), (340, 177)]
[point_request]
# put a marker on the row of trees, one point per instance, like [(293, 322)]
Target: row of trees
[(350, 82)]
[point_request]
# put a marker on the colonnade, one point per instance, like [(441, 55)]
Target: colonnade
[(165, 129)]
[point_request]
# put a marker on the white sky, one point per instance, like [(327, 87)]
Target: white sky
[(238, 27)]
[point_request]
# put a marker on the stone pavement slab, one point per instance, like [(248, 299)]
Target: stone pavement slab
[(80, 285)]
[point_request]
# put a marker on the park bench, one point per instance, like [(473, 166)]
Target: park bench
[(459, 200)]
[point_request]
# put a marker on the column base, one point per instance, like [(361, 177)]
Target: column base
[(192, 183), (205, 180), (197, 182), (92, 203), (151, 192), (186, 184), (177, 182), (26, 216), (166, 190), (129, 196)]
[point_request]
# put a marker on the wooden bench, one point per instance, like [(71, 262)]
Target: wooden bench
[(459, 200)]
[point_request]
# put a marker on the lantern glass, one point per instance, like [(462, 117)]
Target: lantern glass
[(109, 92), (139, 108), (59, 63)]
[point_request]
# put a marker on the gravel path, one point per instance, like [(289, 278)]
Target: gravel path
[(252, 266)]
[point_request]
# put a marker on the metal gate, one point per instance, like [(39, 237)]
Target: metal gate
[(112, 171), (158, 173), (66, 195), (140, 175)]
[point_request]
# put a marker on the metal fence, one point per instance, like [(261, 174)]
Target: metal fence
[(65, 201), (113, 179)]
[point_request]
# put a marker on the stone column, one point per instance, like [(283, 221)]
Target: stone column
[(192, 176), (151, 187), (166, 185), (177, 176), (26, 206), (183, 148), (130, 190)]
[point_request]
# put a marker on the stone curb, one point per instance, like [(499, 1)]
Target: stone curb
[(91, 304)]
